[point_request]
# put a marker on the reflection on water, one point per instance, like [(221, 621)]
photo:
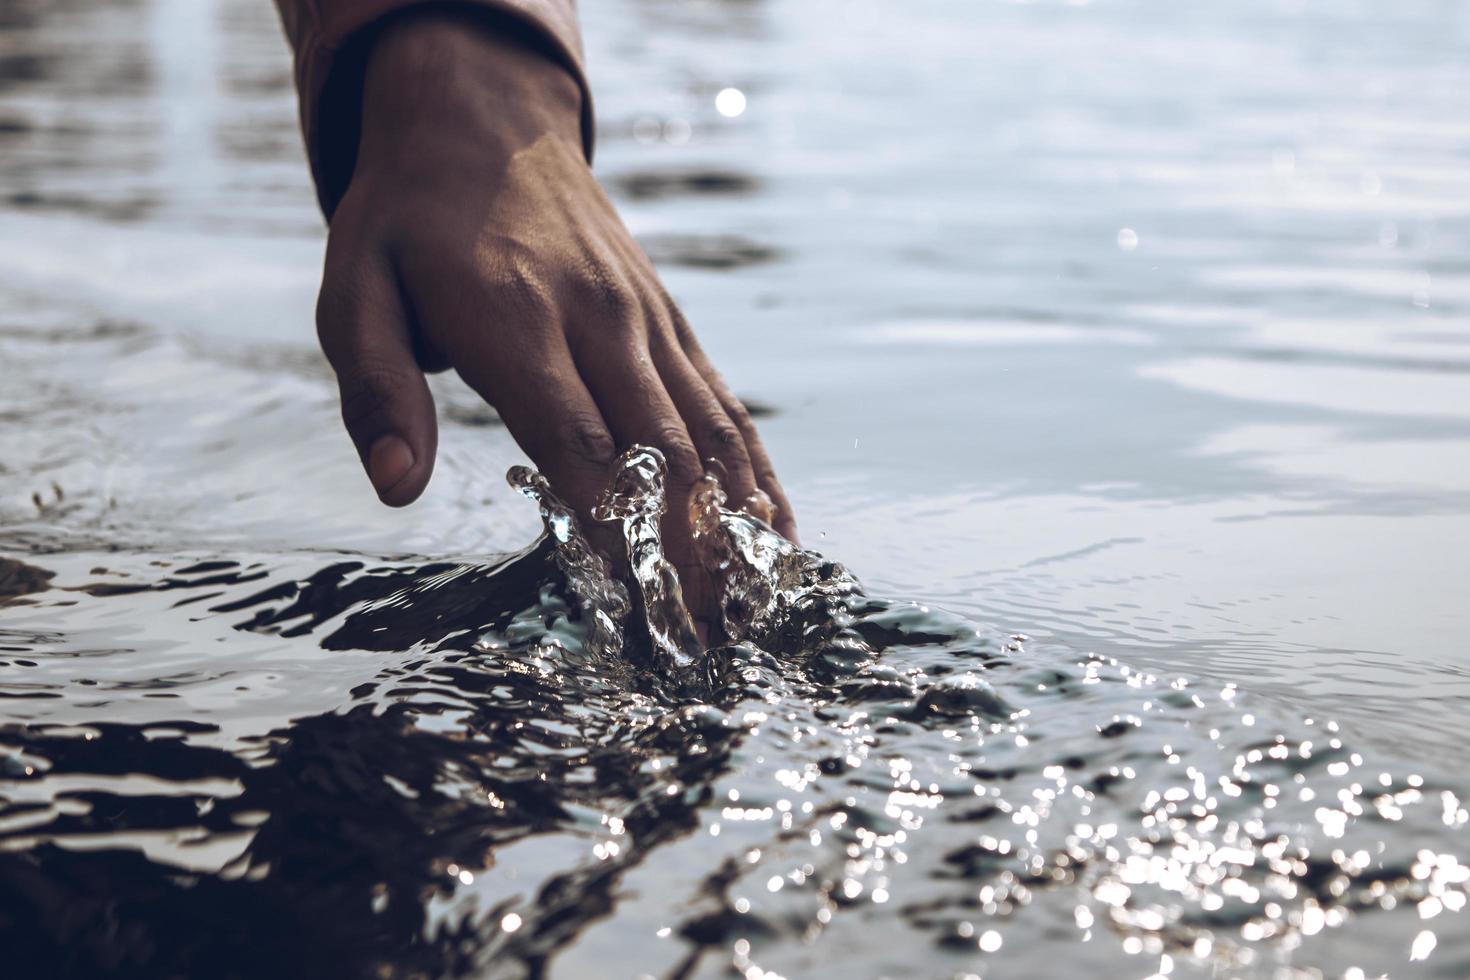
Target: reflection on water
[(1215, 469), (470, 773)]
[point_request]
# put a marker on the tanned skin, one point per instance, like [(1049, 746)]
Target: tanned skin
[(473, 236)]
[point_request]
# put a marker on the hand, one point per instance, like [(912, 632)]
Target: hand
[(472, 235)]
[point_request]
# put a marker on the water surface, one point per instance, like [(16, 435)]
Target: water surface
[(1136, 329)]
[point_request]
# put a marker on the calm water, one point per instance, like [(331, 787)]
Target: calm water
[(1137, 329)]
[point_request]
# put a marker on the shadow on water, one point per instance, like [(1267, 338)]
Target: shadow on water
[(319, 847), (502, 781)]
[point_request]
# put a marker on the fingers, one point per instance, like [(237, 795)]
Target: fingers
[(709, 427), (550, 413), (620, 373), (764, 473), (619, 370), (495, 321), (386, 405), (714, 433)]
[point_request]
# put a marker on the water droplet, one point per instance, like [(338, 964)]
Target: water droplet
[(1422, 283)]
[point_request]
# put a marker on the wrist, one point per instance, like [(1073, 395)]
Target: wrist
[(458, 86)]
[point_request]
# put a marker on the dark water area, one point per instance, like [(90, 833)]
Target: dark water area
[(862, 785), (1120, 349)]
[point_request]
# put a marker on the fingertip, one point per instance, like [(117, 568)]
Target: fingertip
[(390, 466), (760, 506)]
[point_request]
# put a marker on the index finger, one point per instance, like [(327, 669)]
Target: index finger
[(548, 410)]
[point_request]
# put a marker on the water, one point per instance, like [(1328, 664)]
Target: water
[(1216, 470)]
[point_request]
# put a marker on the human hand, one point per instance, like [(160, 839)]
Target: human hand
[(473, 236)]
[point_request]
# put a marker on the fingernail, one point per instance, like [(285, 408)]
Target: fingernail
[(760, 506), (389, 461)]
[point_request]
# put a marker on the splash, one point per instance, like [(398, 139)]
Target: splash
[(601, 599), (760, 578), (635, 500)]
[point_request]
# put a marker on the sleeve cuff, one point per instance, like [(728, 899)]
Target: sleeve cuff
[(324, 33)]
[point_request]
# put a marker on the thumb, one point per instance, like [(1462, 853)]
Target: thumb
[(386, 404)]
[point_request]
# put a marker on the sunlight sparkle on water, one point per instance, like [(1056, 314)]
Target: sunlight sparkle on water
[(730, 102)]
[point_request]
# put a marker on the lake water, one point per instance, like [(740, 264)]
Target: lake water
[(1138, 329)]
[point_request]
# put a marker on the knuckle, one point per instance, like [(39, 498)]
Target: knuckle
[(365, 393), (518, 279), (679, 454), (587, 441), (524, 291), (725, 436), (610, 293)]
